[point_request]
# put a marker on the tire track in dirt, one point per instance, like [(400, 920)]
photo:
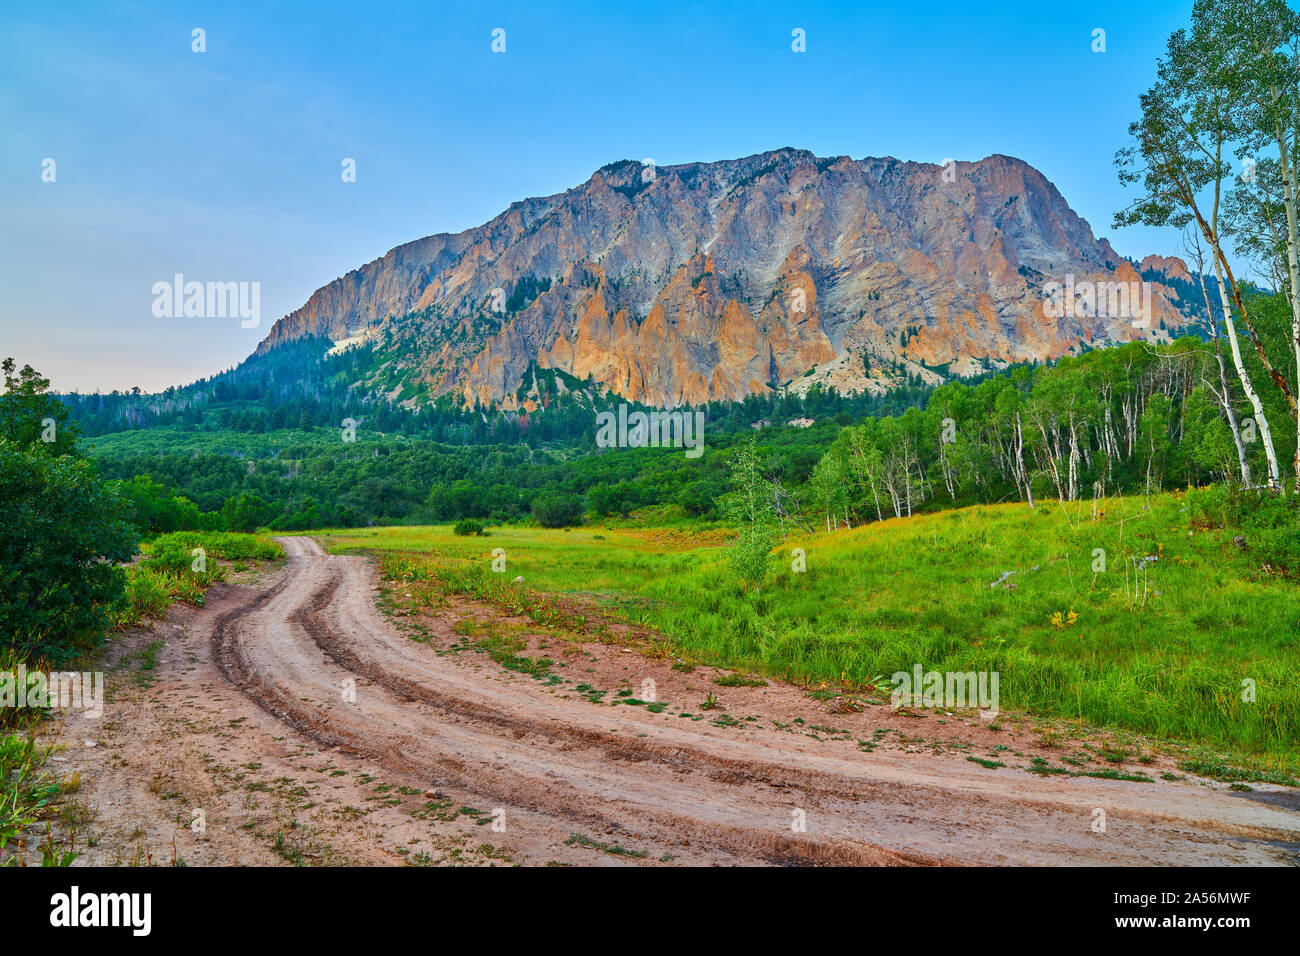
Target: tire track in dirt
[(278, 668), (556, 763)]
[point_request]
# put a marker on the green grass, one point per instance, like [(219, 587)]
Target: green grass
[(739, 680), (1221, 771), (28, 795), (167, 571), (1166, 657), (175, 551), (614, 849), (504, 650)]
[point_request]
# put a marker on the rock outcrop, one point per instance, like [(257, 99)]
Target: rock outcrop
[(710, 281)]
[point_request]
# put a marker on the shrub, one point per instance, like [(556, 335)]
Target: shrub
[(1280, 548), (1231, 506), (153, 510), (1269, 520), (61, 536), (555, 510), (247, 512), (148, 594), (469, 526)]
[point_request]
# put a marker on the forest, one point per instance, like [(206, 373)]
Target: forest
[(1133, 418)]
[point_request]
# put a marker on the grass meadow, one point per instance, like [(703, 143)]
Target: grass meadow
[(1167, 640)]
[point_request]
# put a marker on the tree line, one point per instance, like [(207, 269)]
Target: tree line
[(1133, 418), (1215, 152)]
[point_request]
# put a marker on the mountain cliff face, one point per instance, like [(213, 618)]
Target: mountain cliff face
[(710, 281)]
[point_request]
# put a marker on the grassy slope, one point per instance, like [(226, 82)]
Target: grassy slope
[(886, 596)]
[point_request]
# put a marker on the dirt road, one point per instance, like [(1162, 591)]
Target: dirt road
[(308, 727)]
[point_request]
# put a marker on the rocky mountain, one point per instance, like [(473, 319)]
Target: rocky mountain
[(1173, 267), (710, 281)]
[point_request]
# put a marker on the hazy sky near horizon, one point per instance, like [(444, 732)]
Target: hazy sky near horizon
[(225, 165)]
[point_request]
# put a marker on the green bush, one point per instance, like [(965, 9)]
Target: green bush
[(62, 535), (147, 595), (1269, 521), (469, 526), (151, 591), (153, 510), (555, 510), (248, 512), (1231, 506), (1280, 548)]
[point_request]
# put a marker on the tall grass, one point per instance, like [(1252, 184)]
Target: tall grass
[(171, 571), (27, 794)]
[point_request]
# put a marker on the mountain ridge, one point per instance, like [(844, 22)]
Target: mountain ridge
[(710, 281)]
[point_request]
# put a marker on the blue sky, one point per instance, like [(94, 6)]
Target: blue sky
[(225, 165)]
